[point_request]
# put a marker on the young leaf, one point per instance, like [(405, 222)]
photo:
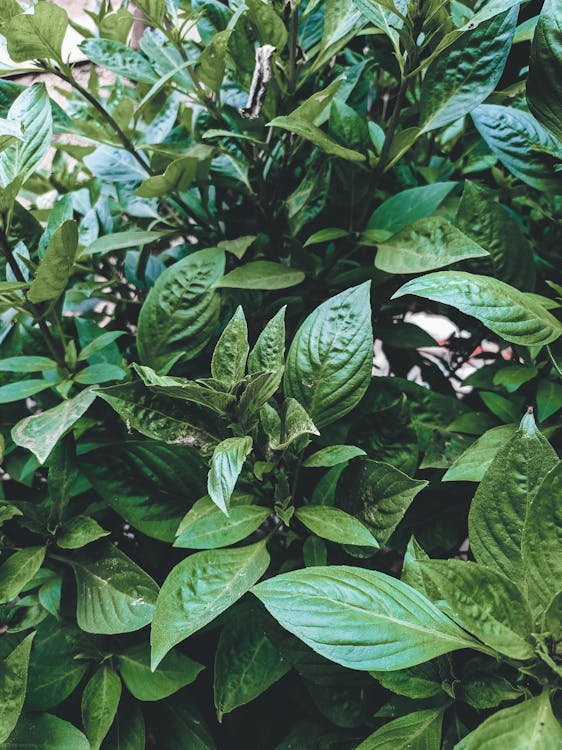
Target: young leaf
[(427, 244), (504, 310), (329, 363), (228, 364), (466, 72), (13, 684), (37, 35), (419, 730), (471, 465), (179, 316), (335, 525), (99, 704), (55, 268), (206, 527), (174, 672), (18, 570), (45, 732), (226, 465), (542, 540), (198, 589), (544, 82), (114, 595), (387, 624), (333, 455), (295, 423), (268, 354), (500, 505), (261, 274)]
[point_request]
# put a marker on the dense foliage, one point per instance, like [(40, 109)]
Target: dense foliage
[(220, 526)]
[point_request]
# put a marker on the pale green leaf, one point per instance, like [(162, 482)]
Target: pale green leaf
[(335, 525), (226, 465), (261, 274), (37, 35), (55, 268), (174, 672), (471, 465), (333, 455), (419, 730)]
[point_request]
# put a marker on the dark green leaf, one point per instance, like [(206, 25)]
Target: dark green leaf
[(333, 455), (45, 732), (99, 704), (420, 730), (544, 82), (335, 525), (206, 527), (80, 531), (13, 684), (228, 364), (174, 672), (18, 570), (262, 274)]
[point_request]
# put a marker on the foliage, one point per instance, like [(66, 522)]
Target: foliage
[(220, 526)]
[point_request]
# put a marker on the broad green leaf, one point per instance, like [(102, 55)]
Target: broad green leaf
[(99, 704), (99, 373), (333, 455), (206, 527), (315, 135), (226, 464), (178, 177), (211, 63), (542, 539), (32, 109), (228, 363), (268, 354), (503, 309), (471, 465), (295, 423), (120, 59), (523, 146), (246, 664), (420, 730), (342, 21), (79, 531), (378, 494), (409, 206), (466, 73), (40, 433), (427, 244), (154, 9), (335, 525), (387, 624), (22, 389), (329, 362), (500, 505), (18, 570), (238, 246), (27, 364), (37, 35), (174, 672), (13, 684), (161, 418), (114, 595), (529, 725), (199, 588), (487, 222), (421, 681), (544, 82), (261, 274), (484, 602), (55, 268), (179, 316), (381, 15), (348, 127), (45, 732), (123, 240), (187, 390)]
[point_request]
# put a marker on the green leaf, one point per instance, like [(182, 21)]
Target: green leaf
[(387, 624), (99, 373), (487, 222), (269, 26), (544, 82), (181, 727), (114, 595), (326, 235), (32, 109), (335, 525), (120, 59), (379, 495), (529, 725), (466, 72), (161, 418), (246, 665), (226, 465), (37, 35), (99, 704), (99, 344), (295, 423), (238, 246), (13, 684), (40, 433), (187, 390), (549, 399), (199, 588), (500, 505), (329, 362), (55, 268), (523, 146), (261, 274), (315, 135), (409, 206), (427, 244), (422, 681), (211, 63), (179, 316), (178, 177), (542, 540), (123, 240), (154, 9), (504, 310), (484, 602), (18, 570), (27, 364), (22, 389), (420, 730), (268, 354), (333, 455), (206, 527), (45, 732), (127, 731), (79, 532), (471, 465), (228, 364), (174, 672)]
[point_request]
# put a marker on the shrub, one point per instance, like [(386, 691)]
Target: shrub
[(209, 541)]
